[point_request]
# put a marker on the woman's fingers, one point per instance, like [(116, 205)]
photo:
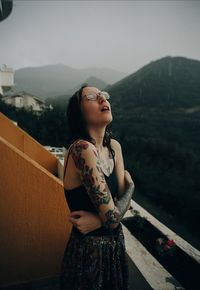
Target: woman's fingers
[(77, 213), (73, 220), (130, 206), (80, 226), (127, 176), (75, 217), (84, 221)]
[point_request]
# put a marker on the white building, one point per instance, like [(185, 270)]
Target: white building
[(57, 151), (26, 100), (18, 99), (6, 79)]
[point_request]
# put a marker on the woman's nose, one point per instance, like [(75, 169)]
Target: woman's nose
[(102, 98)]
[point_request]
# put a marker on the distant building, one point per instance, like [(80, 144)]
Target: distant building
[(26, 100), (57, 151), (6, 79), (18, 99)]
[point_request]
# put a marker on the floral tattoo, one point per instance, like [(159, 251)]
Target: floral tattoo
[(98, 190), (97, 196)]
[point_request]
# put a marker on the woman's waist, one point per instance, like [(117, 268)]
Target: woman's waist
[(99, 232)]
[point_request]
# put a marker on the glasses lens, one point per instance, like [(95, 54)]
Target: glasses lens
[(91, 97), (106, 95)]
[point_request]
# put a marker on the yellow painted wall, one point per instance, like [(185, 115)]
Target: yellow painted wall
[(24, 142), (33, 215)]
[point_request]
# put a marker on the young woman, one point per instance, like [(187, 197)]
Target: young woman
[(98, 191)]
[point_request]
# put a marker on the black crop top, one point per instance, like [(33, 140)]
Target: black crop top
[(78, 199)]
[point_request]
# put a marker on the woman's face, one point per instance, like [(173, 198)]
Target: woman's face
[(92, 109)]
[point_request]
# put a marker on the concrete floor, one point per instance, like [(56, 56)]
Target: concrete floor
[(136, 282)]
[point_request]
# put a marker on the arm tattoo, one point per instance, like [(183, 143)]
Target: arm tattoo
[(97, 196), (115, 215), (98, 191)]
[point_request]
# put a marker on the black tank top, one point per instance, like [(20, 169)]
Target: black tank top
[(78, 199)]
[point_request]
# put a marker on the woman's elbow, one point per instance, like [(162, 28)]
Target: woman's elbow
[(113, 218)]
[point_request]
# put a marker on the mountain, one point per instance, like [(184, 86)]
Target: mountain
[(156, 117), (168, 83), (54, 80), (92, 81), (106, 74), (159, 102), (61, 101)]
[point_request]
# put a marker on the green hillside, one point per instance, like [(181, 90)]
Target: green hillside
[(167, 83), (156, 118), (156, 114)]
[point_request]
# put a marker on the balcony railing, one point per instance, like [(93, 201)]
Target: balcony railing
[(34, 229)]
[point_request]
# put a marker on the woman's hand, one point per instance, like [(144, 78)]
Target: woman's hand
[(127, 176), (85, 221), (128, 179)]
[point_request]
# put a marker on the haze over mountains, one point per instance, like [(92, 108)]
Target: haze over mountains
[(169, 83), (59, 79), (156, 118), (166, 81)]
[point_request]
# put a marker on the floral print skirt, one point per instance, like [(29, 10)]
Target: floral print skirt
[(94, 262)]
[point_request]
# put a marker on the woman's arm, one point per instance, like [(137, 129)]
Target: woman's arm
[(87, 163), (115, 215), (119, 167), (86, 221)]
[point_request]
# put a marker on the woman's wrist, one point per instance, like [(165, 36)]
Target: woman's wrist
[(100, 224)]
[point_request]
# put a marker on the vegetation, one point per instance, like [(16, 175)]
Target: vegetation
[(156, 119)]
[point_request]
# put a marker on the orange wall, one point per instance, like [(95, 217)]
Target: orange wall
[(33, 211), (24, 142)]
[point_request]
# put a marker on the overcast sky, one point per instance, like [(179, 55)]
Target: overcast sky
[(123, 35)]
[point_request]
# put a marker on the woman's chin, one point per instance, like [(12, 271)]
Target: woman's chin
[(104, 120), (107, 119)]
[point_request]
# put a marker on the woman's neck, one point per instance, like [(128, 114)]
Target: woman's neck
[(97, 134)]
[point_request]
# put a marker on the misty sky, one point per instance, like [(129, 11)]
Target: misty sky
[(123, 35)]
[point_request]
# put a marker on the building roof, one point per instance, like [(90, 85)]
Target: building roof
[(23, 93)]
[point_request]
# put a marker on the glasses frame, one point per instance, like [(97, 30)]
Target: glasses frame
[(94, 96)]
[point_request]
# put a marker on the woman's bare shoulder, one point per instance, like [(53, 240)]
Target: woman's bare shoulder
[(80, 144), (115, 144)]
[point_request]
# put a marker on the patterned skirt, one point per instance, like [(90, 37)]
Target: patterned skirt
[(95, 262)]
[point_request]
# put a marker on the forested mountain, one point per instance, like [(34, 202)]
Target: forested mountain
[(93, 81), (156, 118), (168, 83), (156, 115), (59, 79), (62, 100)]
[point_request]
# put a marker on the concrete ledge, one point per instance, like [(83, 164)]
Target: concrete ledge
[(154, 273), (181, 243)]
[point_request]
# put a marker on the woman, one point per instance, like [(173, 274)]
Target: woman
[(98, 191)]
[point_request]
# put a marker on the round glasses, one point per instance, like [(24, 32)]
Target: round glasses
[(94, 96)]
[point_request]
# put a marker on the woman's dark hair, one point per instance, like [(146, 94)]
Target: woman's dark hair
[(77, 126)]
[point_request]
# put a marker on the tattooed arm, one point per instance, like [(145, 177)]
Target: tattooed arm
[(121, 206), (87, 163)]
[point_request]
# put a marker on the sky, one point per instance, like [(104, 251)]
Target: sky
[(121, 35)]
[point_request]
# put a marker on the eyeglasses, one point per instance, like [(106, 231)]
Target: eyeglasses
[(94, 96)]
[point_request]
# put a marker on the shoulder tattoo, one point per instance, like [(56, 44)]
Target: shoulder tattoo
[(98, 191)]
